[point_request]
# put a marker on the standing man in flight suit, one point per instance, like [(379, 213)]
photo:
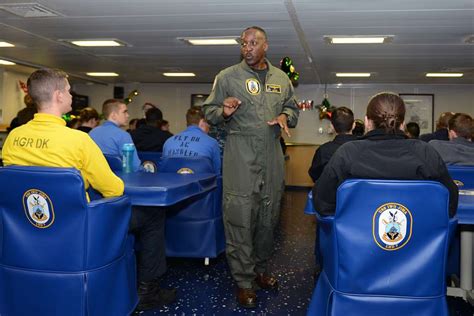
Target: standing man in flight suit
[(256, 100)]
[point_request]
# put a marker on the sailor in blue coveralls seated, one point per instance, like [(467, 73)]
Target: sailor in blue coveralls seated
[(194, 141)]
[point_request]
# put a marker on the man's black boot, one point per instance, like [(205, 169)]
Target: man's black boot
[(151, 296), (166, 296)]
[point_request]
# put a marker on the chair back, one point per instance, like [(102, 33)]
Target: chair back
[(57, 248), (187, 165), (386, 247), (200, 217), (151, 160), (463, 176), (114, 161)]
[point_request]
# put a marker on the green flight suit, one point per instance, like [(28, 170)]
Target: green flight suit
[(253, 168)]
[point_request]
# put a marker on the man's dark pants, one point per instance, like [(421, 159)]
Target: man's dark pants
[(148, 226)]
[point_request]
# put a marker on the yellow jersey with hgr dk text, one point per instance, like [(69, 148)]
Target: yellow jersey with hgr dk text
[(46, 141)]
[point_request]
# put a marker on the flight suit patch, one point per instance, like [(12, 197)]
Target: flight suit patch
[(273, 88), (253, 86)]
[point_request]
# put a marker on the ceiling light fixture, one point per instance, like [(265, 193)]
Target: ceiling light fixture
[(102, 74), (444, 74), (6, 44), (179, 74), (6, 62), (96, 43), (411, 100), (353, 74), (200, 41), (375, 39)]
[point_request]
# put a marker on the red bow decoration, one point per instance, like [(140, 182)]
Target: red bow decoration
[(325, 109), (23, 86)]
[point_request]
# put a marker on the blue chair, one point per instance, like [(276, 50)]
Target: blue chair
[(150, 160), (115, 162), (385, 250), (194, 227), (309, 210), (59, 254), (308, 207), (463, 176)]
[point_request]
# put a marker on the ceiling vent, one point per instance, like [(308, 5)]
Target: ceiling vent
[(469, 39), (29, 10)]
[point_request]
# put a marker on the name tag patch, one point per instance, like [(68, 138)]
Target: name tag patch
[(273, 88)]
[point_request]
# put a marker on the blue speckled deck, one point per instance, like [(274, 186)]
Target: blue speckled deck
[(211, 291)]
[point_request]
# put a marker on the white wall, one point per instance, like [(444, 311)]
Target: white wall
[(455, 98), (11, 95), (174, 100)]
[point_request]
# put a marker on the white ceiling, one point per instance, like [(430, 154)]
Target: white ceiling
[(428, 37)]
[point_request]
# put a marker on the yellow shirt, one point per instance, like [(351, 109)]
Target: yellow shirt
[(46, 141)]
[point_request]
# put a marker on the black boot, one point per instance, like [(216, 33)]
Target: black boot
[(151, 296), (166, 296)]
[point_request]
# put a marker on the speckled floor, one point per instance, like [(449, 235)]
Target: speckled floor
[(209, 290)]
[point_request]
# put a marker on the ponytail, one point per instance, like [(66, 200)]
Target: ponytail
[(387, 111)]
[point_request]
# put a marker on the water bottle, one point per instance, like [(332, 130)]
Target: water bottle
[(127, 157)]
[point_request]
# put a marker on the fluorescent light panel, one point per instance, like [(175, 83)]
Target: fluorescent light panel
[(179, 74), (220, 40), (333, 39), (6, 62), (102, 74), (353, 74), (444, 74), (96, 43), (6, 44)]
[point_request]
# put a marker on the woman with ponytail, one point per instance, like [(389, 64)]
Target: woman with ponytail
[(385, 112), (384, 152)]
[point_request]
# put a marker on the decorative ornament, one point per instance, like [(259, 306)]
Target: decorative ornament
[(132, 94), (286, 65), (305, 105), (68, 117), (23, 86), (325, 108)]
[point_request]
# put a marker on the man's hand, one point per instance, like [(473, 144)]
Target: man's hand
[(282, 121), (231, 104)]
